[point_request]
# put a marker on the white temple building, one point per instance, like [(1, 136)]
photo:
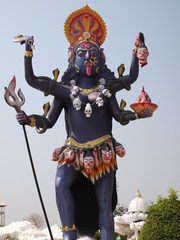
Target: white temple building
[(131, 223)]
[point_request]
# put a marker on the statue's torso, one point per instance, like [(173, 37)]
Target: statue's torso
[(82, 128)]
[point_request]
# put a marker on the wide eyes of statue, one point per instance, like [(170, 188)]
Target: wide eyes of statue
[(80, 53)]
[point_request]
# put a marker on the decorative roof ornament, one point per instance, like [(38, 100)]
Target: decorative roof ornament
[(85, 25), (138, 194), (138, 204)]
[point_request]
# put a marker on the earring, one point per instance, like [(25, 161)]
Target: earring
[(97, 70), (77, 69)]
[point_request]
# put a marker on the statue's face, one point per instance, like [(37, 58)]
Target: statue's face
[(68, 155), (142, 54), (106, 156), (88, 164), (120, 150), (87, 56)]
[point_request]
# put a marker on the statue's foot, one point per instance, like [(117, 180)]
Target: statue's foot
[(70, 235)]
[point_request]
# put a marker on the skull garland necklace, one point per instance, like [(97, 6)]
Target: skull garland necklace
[(103, 92)]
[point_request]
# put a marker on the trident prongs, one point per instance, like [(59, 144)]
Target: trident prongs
[(10, 92)]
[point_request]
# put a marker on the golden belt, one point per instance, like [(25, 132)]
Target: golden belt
[(90, 144)]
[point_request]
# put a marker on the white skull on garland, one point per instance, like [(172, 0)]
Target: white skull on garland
[(88, 110), (99, 101), (106, 92), (75, 90), (102, 81), (73, 83), (100, 88), (77, 104)]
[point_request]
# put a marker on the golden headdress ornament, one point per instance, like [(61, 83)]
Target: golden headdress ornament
[(85, 25)]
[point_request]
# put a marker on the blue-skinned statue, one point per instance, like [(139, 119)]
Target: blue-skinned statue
[(85, 178)]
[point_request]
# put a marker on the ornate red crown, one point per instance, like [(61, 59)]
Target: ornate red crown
[(85, 25)]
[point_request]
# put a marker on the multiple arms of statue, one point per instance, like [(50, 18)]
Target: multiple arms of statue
[(48, 86), (42, 83), (140, 54), (124, 116), (125, 81), (41, 122)]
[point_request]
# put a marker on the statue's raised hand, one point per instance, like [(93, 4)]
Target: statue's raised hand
[(22, 118), (145, 113), (29, 43)]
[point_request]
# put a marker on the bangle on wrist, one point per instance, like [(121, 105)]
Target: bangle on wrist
[(135, 48), (121, 118), (28, 54), (32, 121), (44, 122), (136, 115)]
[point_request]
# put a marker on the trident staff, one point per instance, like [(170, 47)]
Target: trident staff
[(17, 104)]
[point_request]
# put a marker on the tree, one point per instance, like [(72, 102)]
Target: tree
[(119, 210), (163, 221), (36, 220)]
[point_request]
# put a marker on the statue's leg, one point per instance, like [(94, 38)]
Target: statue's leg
[(104, 190), (64, 178)]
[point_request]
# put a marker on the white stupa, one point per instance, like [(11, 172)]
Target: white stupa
[(131, 223), (138, 204)]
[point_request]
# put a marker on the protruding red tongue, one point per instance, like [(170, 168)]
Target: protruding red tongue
[(88, 69)]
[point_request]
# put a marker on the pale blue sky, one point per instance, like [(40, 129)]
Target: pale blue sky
[(152, 162)]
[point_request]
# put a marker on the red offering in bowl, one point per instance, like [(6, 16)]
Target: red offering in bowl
[(143, 102)]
